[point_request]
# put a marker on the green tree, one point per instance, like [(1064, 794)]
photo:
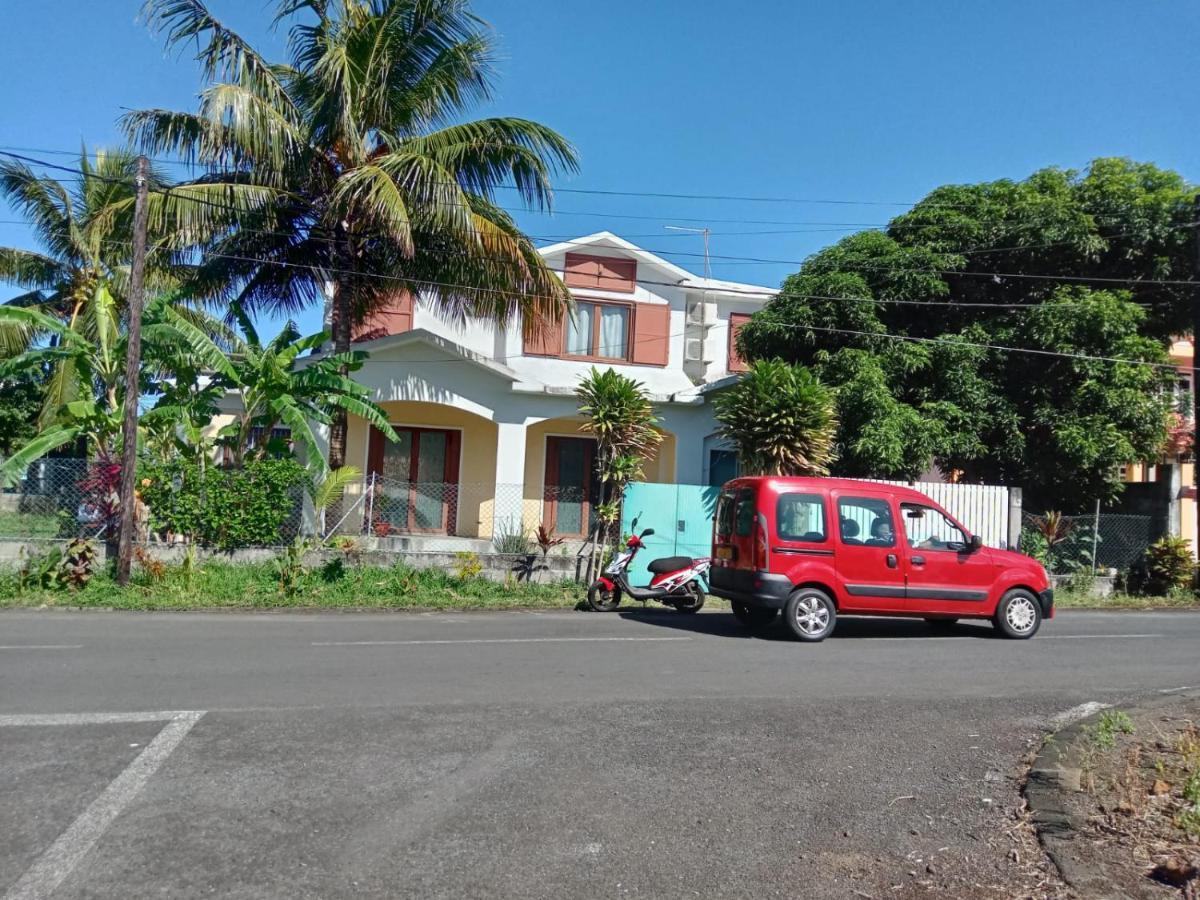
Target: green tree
[(367, 183), (618, 414), (279, 387), (781, 419), (20, 402), (84, 395), (926, 330)]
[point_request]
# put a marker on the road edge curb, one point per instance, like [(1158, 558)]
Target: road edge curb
[(1055, 774)]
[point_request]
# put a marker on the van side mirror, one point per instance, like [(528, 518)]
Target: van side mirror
[(974, 543)]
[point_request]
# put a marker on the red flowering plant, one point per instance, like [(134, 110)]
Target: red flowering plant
[(1181, 436), (100, 506)]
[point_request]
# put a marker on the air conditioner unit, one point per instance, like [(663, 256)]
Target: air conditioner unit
[(695, 312), (693, 350)]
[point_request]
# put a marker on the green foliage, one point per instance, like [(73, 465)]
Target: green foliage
[(948, 392), (59, 568), (218, 584), (467, 565), (223, 508), (781, 419), (511, 541), (1033, 543), (618, 414), (1111, 723), (20, 403), (1170, 564), (290, 568)]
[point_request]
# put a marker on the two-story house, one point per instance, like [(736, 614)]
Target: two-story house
[(488, 422)]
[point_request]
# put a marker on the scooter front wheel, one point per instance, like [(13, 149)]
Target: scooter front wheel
[(603, 599), (692, 598)]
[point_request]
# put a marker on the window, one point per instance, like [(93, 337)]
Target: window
[(743, 517), (725, 507), (866, 520), (800, 517), (929, 529), (599, 330), (606, 273)]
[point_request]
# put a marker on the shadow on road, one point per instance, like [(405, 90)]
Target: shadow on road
[(725, 625)]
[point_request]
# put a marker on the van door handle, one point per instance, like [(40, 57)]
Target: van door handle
[(892, 562), (918, 560)]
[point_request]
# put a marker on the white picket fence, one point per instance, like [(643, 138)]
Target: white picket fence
[(984, 508)]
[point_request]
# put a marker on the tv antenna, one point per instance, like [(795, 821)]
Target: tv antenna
[(704, 231)]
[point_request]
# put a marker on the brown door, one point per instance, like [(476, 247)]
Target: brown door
[(571, 485), (416, 480)]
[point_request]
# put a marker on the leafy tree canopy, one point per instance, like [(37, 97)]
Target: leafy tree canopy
[(892, 320)]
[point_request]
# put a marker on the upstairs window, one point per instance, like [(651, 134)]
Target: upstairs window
[(598, 331)]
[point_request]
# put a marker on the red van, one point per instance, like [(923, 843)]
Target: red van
[(817, 548)]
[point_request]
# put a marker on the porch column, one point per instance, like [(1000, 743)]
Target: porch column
[(510, 478)]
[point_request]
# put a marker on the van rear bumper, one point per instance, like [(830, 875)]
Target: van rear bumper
[(750, 587)]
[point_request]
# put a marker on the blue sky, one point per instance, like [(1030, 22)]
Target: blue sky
[(836, 100)]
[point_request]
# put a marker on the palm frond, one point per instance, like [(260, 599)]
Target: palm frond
[(329, 490), (30, 270), (45, 203), (48, 440)]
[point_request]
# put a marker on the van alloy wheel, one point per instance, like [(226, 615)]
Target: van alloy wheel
[(810, 614), (1018, 614)]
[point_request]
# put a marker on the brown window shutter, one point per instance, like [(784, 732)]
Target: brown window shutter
[(651, 334), (395, 318), (606, 273), (548, 342), (375, 451), (735, 362)]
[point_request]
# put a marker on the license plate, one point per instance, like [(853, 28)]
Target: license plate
[(724, 553)]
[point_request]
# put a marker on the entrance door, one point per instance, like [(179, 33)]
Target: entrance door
[(869, 573), (571, 485), (944, 574), (417, 488)]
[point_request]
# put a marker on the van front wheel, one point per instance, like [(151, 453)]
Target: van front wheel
[(810, 614), (1018, 614)]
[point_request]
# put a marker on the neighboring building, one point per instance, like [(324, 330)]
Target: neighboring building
[(488, 421), (1165, 488)]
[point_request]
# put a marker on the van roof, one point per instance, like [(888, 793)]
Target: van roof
[(777, 482)]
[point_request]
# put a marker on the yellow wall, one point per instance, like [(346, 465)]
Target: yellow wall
[(477, 468)]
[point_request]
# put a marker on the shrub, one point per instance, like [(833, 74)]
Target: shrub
[(511, 543), (468, 565), (70, 567), (1169, 564), (224, 508)]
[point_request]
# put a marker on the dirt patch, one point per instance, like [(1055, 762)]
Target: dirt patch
[(1136, 812)]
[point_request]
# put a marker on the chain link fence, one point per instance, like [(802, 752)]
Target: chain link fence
[(1091, 543), (479, 516), (62, 499)]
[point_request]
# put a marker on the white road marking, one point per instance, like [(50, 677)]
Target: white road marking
[(60, 859), (1075, 713), (92, 718), (41, 646), (543, 640)]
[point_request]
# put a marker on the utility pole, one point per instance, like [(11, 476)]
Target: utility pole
[(133, 365), (1195, 371)]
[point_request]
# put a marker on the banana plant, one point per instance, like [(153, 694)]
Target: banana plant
[(83, 361), (280, 387)]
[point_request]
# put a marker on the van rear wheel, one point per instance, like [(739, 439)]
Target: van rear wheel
[(810, 614)]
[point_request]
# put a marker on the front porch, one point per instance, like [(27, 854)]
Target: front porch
[(458, 479)]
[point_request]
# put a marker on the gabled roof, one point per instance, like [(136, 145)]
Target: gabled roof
[(429, 339), (606, 240)]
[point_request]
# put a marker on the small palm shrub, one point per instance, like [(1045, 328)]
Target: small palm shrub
[(781, 419), (1170, 565)]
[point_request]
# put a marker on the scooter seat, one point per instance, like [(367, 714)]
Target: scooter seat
[(669, 564)]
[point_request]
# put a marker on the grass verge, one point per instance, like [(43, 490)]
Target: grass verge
[(1075, 600), (217, 585)]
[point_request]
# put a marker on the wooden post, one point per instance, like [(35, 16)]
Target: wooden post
[(133, 364)]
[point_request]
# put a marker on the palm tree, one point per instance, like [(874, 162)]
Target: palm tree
[(618, 414), (377, 186), (277, 386), (781, 419)]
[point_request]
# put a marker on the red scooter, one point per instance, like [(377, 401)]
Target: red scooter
[(677, 581)]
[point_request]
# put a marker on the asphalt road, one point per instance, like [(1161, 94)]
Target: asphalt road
[(537, 755)]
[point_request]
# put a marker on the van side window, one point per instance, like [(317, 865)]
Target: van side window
[(928, 529), (743, 523), (866, 520), (800, 517)]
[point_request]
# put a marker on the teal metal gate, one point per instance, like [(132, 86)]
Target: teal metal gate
[(681, 516)]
